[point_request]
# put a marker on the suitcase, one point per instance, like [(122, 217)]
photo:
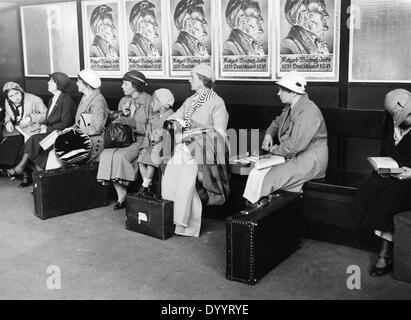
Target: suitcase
[(149, 216), (67, 190), (262, 236), (402, 246)]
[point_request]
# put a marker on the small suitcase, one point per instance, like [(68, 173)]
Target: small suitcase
[(402, 246), (150, 216), (262, 236), (67, 190)]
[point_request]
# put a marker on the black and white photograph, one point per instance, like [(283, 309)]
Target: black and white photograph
[(191, 27), (244, 47), (309, 33), (205, 159), (101, 36), (147, 35), (50, 38)]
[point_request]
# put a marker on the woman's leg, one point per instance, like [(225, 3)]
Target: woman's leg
[(121, 196), (384, 262), (20, 166)]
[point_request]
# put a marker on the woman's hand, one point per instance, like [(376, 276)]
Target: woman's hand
[(9, 127), (404, 176), (267, 143)]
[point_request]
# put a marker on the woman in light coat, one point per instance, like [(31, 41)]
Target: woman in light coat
[(119, 165)]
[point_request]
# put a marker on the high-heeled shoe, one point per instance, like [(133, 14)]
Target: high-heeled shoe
[(11, 173), (26, 182), (120, 205), (382, 271)]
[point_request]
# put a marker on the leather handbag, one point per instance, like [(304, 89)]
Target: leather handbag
[(118, 135)]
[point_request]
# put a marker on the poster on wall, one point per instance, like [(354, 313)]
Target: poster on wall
[(379, 44), (308, 41), (50, 39), (146, 36), (244, 47), (103, 51), (191, 35)]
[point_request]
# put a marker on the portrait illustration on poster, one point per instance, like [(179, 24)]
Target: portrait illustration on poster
[(244, 38), (309, 36), (191, 34), (144, 31), (101, 34)]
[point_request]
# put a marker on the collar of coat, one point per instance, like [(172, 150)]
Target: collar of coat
[(299, 106)]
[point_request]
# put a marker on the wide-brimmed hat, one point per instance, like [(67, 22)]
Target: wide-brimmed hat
[(398, 104), (90, 77), (293, 81), (61, 79)]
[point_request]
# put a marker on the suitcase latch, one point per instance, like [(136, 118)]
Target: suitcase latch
[(142, 217)]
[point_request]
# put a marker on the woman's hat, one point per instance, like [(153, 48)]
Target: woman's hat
[(136, 77), (12, 86), (293, 81), (205, 70), (90, 77), (165, 96), (398, 104), (61, 79)]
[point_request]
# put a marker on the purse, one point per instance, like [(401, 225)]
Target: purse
[(118, 135)]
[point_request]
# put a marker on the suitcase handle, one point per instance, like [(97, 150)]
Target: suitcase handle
[(260, 203)]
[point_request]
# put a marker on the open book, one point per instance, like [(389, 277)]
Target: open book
[(385, 165), (28, 131), (270, 161)]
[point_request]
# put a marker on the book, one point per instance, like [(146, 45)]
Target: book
[(267, 162), (28, 131), (385, 165), (49, 140)]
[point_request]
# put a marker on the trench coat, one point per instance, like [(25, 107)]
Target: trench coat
[(302, 139)]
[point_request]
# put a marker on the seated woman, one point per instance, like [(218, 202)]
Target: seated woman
[(379, 198), (92, 111), (149, 158), (22, 109), (116, 165), (201, 154), (60, 115)]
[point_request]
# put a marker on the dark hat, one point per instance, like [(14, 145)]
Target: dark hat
[(99, 13), (136, 77), (140, 9), (234, 7), (61, 79), (292, 6), (185, 7)]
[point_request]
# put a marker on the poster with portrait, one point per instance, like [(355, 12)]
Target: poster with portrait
[(309, 38), (50, 39), (244, 49), (103, 51), (191, 33), (146, 36)]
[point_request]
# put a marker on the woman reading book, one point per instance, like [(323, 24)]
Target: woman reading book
[(381, 196)]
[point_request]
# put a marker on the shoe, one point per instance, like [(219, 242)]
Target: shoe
[(11, 173), (119, 205), (143, 191), (24, 184), (378, 271)]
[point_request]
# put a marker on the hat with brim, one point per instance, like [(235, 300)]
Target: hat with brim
[(398, 104), (205, 70), (12, 86), (165, 97), (293, 81), (90, 77), (136, 77)]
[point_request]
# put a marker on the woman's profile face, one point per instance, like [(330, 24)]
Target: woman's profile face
[(52, 86), (195, 82), (15, 96), (128, 88), (80, 85)]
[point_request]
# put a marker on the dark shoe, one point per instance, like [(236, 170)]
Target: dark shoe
[(24, 184), (119, 205), (143, 191), (378, 271), (11, 173)]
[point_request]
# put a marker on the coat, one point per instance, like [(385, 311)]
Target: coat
[(96, 106), (378, 199), (302, 139)]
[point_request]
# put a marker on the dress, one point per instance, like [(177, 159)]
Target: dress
[(302, 137), (378, 199), (61, 117), (203, 154), (95, 108), (118, 164)]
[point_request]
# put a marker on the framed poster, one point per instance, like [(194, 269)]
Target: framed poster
[(191, 34), (309, 38), (50, 39), (244, 39), (379, 41), (146, 36), (103, 50)]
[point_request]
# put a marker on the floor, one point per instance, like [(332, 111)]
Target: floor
[(99, 259)]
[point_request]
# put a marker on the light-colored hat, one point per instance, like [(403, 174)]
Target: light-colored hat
[(90, 77), (12, 86), (398, 104), (293, 81), (204, 70), (165, 96)]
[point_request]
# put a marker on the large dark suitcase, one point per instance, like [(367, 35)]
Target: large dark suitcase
[(149, 216), (402, 246), (67, 190), (262, 236)]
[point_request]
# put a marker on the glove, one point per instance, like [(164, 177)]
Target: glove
[(25, 122), (9, 127)]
